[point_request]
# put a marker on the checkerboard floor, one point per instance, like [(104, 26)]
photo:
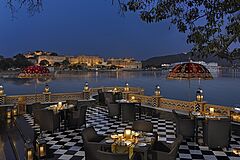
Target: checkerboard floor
[(68, 144)]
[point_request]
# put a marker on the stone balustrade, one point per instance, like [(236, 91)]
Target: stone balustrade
[(130, 93)]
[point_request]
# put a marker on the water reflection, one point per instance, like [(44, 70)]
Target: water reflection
[(224, 89)]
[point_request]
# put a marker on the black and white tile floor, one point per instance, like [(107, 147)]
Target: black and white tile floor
[(68, 144)]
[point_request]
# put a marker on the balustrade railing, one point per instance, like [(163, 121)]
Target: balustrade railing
[(132, 93)]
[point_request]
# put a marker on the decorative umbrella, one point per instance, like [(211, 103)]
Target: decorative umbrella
[(35, 72), (189, 71)]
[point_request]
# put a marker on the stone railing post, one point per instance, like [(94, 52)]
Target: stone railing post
[(2, 99), (199, 106), (157, 102), (47, 96)]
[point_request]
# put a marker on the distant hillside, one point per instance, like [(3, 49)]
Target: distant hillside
[(182, 57)]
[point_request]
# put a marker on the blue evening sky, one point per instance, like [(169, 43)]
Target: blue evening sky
[(92, 27)]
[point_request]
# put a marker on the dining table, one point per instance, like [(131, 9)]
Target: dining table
[(138, 142)]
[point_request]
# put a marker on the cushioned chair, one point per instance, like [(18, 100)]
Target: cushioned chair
[(101, 98), (91, 143), (113, 109), (35, 106), (144, 126), (102, 155), (128, 112), (184, 126), (109, 98), (77, 117), (217, 133), (165, 151), (48, 121)]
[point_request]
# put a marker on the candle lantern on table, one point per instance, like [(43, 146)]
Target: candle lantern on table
[(127, 133), (29, 150), (41, 147)]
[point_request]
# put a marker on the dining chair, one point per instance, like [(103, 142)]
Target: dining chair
[(113, 109), (142, 125), (77, 118), (128, 112), (102, 155), (184, 126), (217, 133), (91, 143), (48, 120), (166, 151), (101, 97)]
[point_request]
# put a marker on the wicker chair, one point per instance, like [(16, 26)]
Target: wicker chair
[(217, 133), (77, 118), (128, 112), (184, 126), (91, 143), (48, 120), (167, 151)]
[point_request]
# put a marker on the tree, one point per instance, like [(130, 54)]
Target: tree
[(44, 62), (213, 26), (56, 64), (65, 63), (20, 61)]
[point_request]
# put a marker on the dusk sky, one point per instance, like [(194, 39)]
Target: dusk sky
[(92, 27)]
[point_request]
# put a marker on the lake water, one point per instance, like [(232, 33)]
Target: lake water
[(223, 90)]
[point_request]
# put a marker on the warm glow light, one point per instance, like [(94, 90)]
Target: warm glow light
[(14, 111), (29, 155), (86, 88), (42, 151), (211, 110), (59, 104), (127, 133)]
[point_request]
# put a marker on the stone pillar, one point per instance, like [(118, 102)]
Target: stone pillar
[(199, 106), (47, 96)]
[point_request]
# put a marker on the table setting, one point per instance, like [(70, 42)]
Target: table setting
[(129, 141)]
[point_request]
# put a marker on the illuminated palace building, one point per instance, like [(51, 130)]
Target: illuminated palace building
[(128, 63), (89, 60), (81, 59)]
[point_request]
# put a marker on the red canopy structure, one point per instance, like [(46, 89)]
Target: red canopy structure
[(34, 72), (190, 71)]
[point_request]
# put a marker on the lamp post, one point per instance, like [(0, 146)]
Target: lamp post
[(157, 90), (46, 89), (1, 90), (86, 87), (199, 95), (126, 88)]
